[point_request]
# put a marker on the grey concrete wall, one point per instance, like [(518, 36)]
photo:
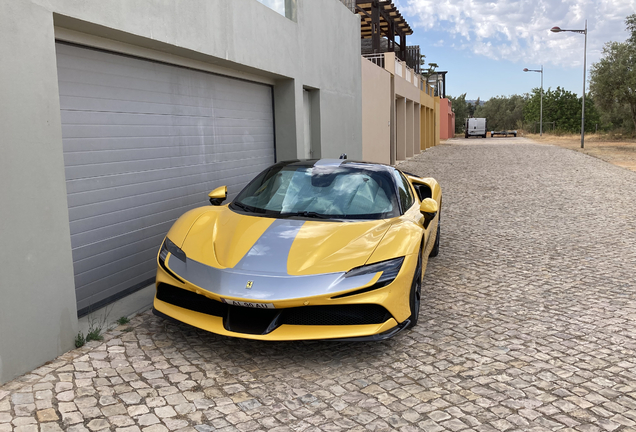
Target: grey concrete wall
[(38, 317), (320, 49)]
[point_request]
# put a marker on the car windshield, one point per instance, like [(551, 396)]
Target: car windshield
[(321, 192)]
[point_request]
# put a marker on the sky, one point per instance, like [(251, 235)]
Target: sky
[(485, 45)]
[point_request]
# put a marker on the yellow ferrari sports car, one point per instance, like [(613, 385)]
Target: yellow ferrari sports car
[(309, 249)]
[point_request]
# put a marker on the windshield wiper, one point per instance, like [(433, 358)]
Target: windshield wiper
[(307, 214), (245, 207)]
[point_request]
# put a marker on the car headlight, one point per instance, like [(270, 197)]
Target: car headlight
[(169, 246), (389, 269)]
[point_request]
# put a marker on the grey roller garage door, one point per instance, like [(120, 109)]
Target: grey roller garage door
[(143, 143)]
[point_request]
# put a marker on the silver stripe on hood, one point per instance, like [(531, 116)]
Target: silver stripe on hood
[(270, 252), (265, 264)]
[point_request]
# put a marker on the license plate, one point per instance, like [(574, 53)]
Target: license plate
[(249, 304)]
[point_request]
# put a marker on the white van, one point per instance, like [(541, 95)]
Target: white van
[(475, 127)]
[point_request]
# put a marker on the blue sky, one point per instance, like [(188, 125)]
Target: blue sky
[(484, 45)]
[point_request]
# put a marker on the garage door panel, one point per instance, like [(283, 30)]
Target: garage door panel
[(113, 168), (109, 287), (87, 234), (94, 67), (133, 238), (80, 97), (110, 118), (129, 155), (89, 190), (122, 253), (120, 185), (258, 135), (138, 201), (105, 105), (195, 132), (143, 193), (106, 271), (193, 188), (144, 142), (178, 206)]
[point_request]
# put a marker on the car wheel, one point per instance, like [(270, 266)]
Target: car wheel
[(416, 294), (435, 249)]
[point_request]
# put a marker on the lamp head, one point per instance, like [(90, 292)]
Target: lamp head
[(525, 69), (556, 29)]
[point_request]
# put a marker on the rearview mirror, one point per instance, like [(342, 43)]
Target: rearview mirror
[(218, 195), (429, 209)]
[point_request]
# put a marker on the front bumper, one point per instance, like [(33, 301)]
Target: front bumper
[(372, 315)]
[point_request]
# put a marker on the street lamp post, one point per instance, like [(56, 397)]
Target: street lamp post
[(558, 30), (541, 110)]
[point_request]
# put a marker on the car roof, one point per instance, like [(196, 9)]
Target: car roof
[(336, 163)]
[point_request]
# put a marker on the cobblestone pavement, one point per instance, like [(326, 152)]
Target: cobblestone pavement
[(528, 324)]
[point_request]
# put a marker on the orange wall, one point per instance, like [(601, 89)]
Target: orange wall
[(446, 119)]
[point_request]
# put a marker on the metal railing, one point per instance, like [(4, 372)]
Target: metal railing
[(378, 59)]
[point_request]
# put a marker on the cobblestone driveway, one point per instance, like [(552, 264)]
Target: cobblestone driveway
[(528, 324)]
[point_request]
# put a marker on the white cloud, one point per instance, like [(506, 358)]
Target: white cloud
[(519, 30)]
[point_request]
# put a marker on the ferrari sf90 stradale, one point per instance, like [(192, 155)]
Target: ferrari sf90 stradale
[(316, 249)]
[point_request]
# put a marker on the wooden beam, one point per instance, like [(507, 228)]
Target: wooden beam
[(375, 26)]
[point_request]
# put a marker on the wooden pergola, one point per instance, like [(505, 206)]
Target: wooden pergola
[(381, 18)]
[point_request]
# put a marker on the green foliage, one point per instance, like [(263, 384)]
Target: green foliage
[(613, 79), (461, 111), (561, 107), (123, 320), (617, 118), (79, 340), (503, 112), (94, 333), (630, 23)]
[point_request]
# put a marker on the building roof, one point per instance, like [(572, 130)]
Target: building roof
[(388, 14)]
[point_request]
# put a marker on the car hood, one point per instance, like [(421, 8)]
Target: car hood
[(224, 239)]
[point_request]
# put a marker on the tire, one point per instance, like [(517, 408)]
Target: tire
[(415, 298), (484, 135), (435, 250)]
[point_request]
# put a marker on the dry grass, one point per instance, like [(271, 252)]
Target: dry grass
[(617, 150)]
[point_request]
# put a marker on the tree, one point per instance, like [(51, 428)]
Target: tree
[(471, 108), (503, 112), (561, 107), (613, 78), (461, 111)]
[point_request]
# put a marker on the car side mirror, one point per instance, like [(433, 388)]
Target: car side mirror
[(429, 209), (218, 195)]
